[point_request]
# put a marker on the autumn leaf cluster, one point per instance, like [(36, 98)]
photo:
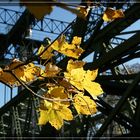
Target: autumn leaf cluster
[(64, 90)]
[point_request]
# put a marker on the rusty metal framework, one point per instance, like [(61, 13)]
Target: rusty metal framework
[(119, 107)]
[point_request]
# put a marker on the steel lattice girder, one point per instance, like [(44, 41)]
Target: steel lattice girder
[(112, 29), (119, 50), (115, 53), (10, 18)]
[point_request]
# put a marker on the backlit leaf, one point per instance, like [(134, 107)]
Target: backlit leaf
[(75, 53), (57, 120), (66, 114), (111, 14), (26, 73), (47, 54), (55, 114), (65, 83), (76, 40), (7, 77), (91, 75), (84, 105), (74, 64), (47, 104), (15, 63), (43, 119), (30, 72), (93, 88), (51, 70), (1, 71), (71, 50), (59, 43), (57, 92), (76, 77), (38, 10), (84, 12), (82, 79), (80, 12)]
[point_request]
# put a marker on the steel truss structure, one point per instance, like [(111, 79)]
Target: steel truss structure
[(119, 108)]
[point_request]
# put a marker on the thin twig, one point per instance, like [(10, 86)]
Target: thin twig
[(44, 98)]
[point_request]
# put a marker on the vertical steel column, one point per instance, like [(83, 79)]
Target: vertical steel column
[(16, 122), (2, 129)]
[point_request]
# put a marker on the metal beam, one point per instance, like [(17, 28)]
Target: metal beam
[(112, 29), (115, 27), (115, 111), (18, 30), (114, 53), (116, 77), (9, 17), (117, 88), (125, 121), (120, 61)]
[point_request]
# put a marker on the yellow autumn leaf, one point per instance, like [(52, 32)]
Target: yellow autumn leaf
[(61, 112), (75, 53), (41, 75), (82, 79), (65, 83), (84, 12), (43, 119), (55, 114), (15, 63), (51, 70), (93, 88), (57, 92), (111, 14), (26, 73), (7, 77), (84, 105), (47, 104), (118, 14), (59, 43), (55, 119), (76, 40), (71, 50), (66, 114), (40, 50), (1, 71), (38, 10), (74, 64), (67, 47), (30, 72), (91, 75), (47, 54), (76, 77)]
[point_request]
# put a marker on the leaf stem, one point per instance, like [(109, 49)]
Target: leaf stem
[(39, 96)]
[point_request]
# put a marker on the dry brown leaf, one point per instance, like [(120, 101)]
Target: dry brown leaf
[(111, 14)]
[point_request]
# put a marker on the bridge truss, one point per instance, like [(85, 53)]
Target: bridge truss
[(119, 108)]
